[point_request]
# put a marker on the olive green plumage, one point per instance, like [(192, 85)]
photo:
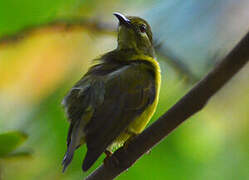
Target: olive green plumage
[(116, 98)]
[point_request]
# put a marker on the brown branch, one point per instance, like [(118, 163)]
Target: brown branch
[(177, 64), (61, 25), (191, 103), (93, 26)]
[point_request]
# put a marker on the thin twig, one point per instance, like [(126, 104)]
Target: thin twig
[(177, 64), (63, 25), (94, 26), (191, 103)]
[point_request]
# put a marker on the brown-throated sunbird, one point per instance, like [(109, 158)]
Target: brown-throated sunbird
[(117, 97)]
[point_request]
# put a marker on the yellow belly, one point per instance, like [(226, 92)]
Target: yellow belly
[(138, 125)]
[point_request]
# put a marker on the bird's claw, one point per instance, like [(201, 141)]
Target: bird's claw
[(110, 160)]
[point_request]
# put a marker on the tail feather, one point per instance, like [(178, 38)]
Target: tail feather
[(69, 134), (75, 139), (67, 160), (90, 158)]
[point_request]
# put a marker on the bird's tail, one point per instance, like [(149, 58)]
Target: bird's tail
[(90, 158), (75, 139), (67, 159)]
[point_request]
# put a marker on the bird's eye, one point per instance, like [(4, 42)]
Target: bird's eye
[(142, 28)]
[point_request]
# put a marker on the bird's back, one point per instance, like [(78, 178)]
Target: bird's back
[(114, 100)]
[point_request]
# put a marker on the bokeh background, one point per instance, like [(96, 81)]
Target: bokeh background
[(46, 46)]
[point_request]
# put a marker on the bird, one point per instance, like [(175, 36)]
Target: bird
[(116, 98)]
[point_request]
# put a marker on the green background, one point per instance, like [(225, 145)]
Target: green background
[(38, 70)]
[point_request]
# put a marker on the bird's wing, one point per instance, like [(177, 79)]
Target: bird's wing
[(125, 94), (88, 92), (79, 104), (103, 103)]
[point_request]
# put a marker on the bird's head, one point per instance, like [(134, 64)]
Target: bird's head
[(134, 33)]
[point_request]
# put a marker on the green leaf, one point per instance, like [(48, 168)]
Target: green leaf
[(21, 154), (9, 141)]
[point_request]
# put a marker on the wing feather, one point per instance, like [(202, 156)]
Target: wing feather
[(127, 94), (116, 95)]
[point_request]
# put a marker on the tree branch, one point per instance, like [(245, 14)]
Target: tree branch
[(94, 26), (191, 103), (177, 64), (62, 25)]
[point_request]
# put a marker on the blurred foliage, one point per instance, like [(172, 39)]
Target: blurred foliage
[(26, 12), (37, 72), (196, 33), (9, 142)]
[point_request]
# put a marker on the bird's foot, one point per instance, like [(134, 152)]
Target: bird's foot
[(132, 136), (110, 160), (108, 153)]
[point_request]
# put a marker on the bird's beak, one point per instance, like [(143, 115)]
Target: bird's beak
[(122, 19)]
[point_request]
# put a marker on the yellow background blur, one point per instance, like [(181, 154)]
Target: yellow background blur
[(37, 70)]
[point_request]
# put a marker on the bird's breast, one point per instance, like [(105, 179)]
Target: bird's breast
[(140, 122)]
